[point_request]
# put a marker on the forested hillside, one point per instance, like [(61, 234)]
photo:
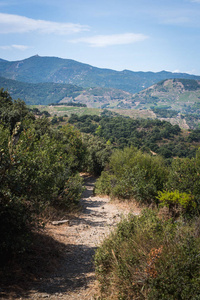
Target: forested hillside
[(175, 100), (155, 136), (40, 93), (49, 92), (38, 69)]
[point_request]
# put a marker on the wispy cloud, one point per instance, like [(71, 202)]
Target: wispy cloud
[(176, 20), (110, 40), (197, 1), (19, 24), (16, 47)]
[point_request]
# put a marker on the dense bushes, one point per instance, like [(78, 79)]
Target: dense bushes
[(147, 258), (97, 154), (133, 174), (184, 176), (38, 168), (151, 257)]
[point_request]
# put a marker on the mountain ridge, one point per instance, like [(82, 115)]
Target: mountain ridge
[(36, 69)]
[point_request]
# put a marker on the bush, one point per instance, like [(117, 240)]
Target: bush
[(15, 223), (97, 154), (147, 258), (38, 168), (178, 203), (71, 193), (133, 174), (184, 177)]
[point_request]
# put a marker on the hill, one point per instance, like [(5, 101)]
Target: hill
[(172, 98), (48, 92), (38, 69), (39, 93), (179, 94)]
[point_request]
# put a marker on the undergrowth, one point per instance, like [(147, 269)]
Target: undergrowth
[(149, 258)]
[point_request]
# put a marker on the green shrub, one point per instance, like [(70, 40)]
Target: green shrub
[(71, 194), (184, 176), (103, 184), (133, 174), (15, 223), (176, 202), (148, 258), (97, 154), (38, 168)]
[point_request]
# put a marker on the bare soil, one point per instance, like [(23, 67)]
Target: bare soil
[(74, 277)]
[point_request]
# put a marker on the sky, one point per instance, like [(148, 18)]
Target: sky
[(137, 35)]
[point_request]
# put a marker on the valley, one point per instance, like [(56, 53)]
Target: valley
[(174, 97)]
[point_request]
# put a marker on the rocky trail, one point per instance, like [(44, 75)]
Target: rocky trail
[(75, 279)]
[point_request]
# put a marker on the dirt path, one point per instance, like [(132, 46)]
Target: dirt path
[(76, 278)]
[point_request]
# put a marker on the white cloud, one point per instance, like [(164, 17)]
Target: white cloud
[(19, 24), (197, 1), (110, 40), (18, 47)]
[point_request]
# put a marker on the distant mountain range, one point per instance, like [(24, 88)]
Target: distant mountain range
[(38, 69), (175, 100)]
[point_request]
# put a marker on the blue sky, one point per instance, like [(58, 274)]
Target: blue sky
[(138, 35)]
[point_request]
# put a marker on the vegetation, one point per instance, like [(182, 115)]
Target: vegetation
[(155, 136), (38, 169), (78, 104), (153, 256), (177, 203), (97, 154), (164, 113), (133, 174), (149, 258), (39, 93)]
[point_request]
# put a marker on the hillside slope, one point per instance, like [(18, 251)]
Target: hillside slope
[(39, 93), (49, 92), (52, 69), (178, 94)]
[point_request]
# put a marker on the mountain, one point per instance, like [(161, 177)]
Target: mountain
[(46, 93), (38, 69)]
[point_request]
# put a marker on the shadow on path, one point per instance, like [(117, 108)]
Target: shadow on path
[(75, 269)]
